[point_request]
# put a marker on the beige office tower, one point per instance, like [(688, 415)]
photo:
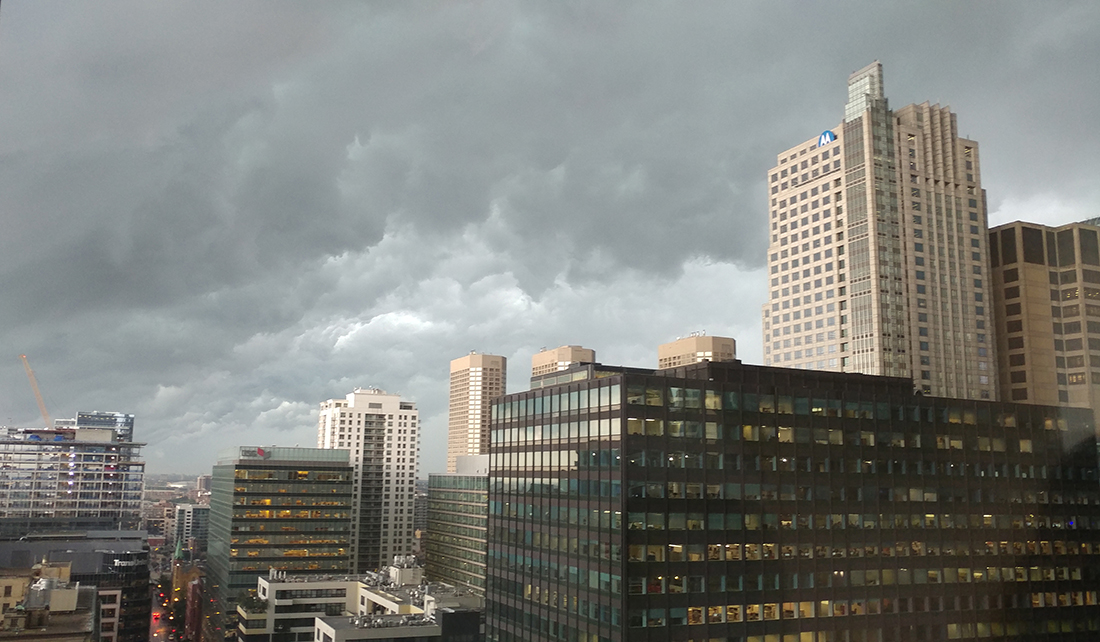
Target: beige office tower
[(1046, 302), (694, 348), (561, 358), (877, 260), (381, 431), (476, 380)]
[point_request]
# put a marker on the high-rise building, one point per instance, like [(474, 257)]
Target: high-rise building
[(192, 522), (560, 358), (69, 478), (1046, 293), (287, 509), (382, 433), (694, 348), (458, 509), (877, 261), (720, 501), (476, 380)]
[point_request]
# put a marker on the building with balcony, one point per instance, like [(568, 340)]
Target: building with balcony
[(381, 433), (69, 478)]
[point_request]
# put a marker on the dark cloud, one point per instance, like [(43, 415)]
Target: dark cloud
[(216, 215)]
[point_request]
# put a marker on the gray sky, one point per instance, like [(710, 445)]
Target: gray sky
[(215, 215)]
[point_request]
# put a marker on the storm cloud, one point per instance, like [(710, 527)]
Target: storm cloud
[(215, 215)]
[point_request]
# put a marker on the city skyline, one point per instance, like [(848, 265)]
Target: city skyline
[(217, 217)]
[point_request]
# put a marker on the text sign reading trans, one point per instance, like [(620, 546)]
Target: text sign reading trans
[(825, 138)]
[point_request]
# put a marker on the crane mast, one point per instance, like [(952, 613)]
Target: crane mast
[(37, 392)]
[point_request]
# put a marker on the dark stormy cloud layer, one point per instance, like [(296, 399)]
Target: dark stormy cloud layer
[(215, 215)]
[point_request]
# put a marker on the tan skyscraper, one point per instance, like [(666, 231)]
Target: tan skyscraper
[(1046, 298), (877, 260), (561, 358), (694, 348), (476, 380)]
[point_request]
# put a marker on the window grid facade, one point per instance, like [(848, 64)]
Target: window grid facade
[(456, 535), (1047, 306), (731, 502), (877, 261), (476, 380)]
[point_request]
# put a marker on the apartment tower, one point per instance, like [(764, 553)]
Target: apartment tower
[(560, 358), (877, 258), (1046, 294), (694, 348), (476, 380), (381, 432)]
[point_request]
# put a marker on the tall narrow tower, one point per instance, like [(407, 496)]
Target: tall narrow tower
[(877, 261), (476, 380)]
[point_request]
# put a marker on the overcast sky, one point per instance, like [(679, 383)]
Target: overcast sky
[(217, 214)]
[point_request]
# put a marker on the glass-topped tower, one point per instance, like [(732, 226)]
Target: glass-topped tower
[(878, 259)]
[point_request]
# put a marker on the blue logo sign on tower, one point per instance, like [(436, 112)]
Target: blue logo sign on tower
[(825, 138)]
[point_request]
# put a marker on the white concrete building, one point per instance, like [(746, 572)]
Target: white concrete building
[(382, 433)]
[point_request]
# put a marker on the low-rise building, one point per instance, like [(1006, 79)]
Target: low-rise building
[(395, 599), (53, 611), (115, 562)]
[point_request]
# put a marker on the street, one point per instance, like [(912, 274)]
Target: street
[(160, 625)]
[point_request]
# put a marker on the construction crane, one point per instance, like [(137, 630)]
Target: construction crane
[(37, 392)]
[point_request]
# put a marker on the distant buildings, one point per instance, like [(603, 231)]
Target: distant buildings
[(70, 478), (476, 380), (695, 348), (192, 524), (458, 511), (284, 508), (556, 359), (878, 261), (382, 434), (1046, 292), (720, 501)]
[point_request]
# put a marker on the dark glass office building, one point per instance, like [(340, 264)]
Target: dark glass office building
[(455, 537), (276, 507), (726, 502)]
